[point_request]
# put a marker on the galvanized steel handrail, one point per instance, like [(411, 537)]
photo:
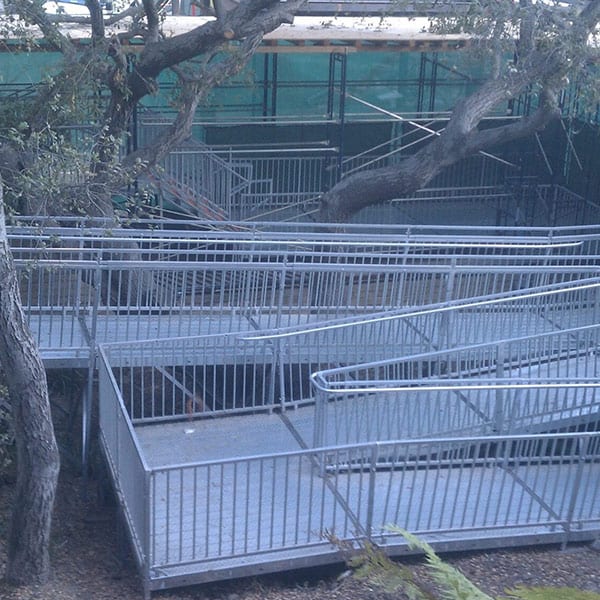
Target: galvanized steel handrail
[(449, 306), (129, 469), (86, 224), (269, 356), (367, 446), (398, 479), (324, 379)]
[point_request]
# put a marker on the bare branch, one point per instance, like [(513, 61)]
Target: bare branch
[(134, 10), (195, 87), (547, 111)]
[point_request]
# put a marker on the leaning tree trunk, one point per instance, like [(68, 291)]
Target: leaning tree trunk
[(460, 139), (38, 459)]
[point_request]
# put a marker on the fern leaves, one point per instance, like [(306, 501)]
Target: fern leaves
[(548, 593), (453, 585), (449, 583)]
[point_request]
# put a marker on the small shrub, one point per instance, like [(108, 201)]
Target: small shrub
[(372, 564)]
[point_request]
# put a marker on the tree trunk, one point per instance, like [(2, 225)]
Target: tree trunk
[(368, 188), (460, 139), (38, 459)]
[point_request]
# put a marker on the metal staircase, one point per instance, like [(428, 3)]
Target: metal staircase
[(187, 199)]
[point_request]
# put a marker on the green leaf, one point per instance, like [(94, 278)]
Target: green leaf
[(453, 584), (551, 593)]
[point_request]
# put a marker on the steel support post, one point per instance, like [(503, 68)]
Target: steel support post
[(337, 69), (269, 108), (583, 450)]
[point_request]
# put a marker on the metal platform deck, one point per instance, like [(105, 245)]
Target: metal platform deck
[(248, 500), (218, 438)]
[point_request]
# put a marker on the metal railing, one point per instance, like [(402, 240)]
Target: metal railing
[(436, 456), (286, 176), (152, 239), (238, 515), (508, 386), (130, 473), (436, 330), (432, 417), (207, 375), (236, 372), (295, 176), (83, 286), (192, 167), (46, 232), (198, 168), (70, 304)]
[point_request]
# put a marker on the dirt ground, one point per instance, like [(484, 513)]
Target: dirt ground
[(85, 565)]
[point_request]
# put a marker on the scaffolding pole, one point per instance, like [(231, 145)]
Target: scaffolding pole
[(419, 126)]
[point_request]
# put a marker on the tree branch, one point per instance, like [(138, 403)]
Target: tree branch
[(195, 87), (547, 111), (459, 140), (153, 21), (544, 62), (33, 13), (134, 10), (246, 20), (97, 20), (526, 41)]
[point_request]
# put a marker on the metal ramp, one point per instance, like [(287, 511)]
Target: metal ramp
[(443, 359), (213, 519), (81, 287), (457, 457)]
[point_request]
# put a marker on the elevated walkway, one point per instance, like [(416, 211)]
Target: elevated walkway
[(307, 385), (249, 469), (84, 287)]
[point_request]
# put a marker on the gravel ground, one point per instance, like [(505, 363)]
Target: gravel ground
[(85, 568)]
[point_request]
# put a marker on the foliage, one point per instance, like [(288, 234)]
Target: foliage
[(509, 33), (56, 172), (451, 582), (372, 564), (548, 593), (95, 87)]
